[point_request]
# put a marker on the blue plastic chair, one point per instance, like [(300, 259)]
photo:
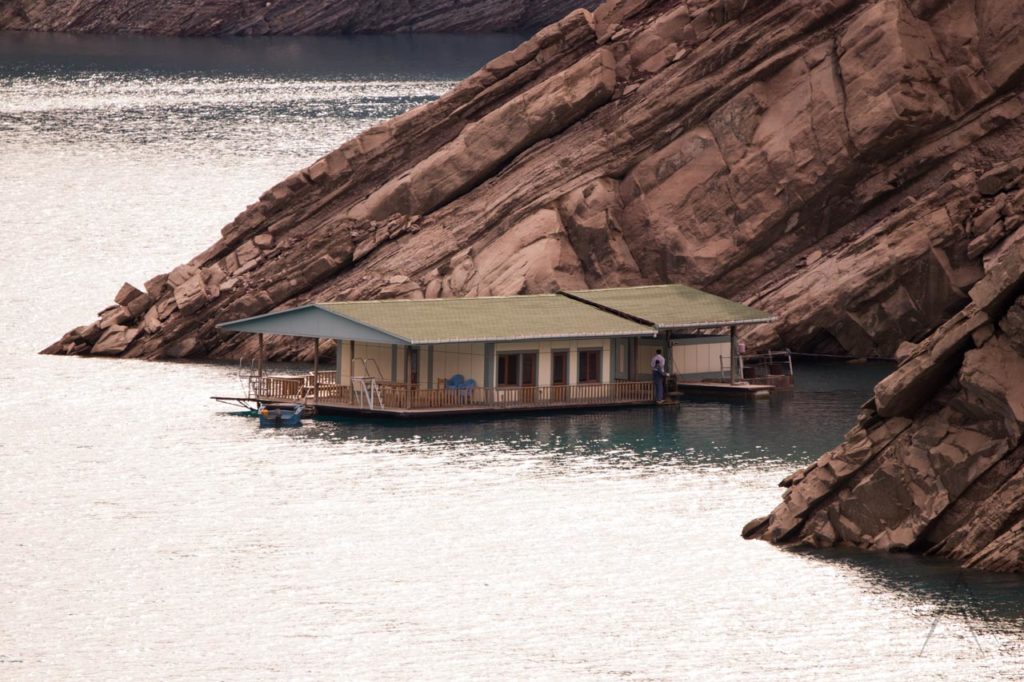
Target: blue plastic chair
[(455, 381), (467, 390)]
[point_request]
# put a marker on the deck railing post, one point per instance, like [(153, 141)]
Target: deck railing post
[(408, 378), (316, 370)]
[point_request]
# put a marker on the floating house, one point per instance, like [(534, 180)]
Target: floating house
[(421, 357)]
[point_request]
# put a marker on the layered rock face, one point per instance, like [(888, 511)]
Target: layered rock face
[(280, 17), (936, 462), (833, 161)]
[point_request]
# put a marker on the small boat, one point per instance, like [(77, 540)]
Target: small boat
[(281, 414)]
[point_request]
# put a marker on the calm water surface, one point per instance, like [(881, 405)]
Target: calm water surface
[(148, 533)]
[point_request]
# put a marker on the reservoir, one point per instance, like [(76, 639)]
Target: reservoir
[(148, 532)]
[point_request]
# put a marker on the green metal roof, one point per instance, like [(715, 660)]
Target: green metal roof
[(673, 306), (488, 318), (632, 311)]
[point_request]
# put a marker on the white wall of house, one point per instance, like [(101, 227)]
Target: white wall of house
[(646, 348), (467, 359), (700, 357), (371, 352), (450, 359)]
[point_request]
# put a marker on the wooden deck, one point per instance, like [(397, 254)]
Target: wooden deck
[(341, 410), (376, 398), (724, 389)]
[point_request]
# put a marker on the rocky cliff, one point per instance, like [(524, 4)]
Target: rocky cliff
[(936, 462), (820, 158), (280, 17)]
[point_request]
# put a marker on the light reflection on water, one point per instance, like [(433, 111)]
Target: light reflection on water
[(149, 533)]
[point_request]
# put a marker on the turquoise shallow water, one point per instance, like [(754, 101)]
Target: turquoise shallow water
[(150, 533)]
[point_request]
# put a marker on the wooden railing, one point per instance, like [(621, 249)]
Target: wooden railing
[(277, 387), (763, 366), (300, 387), (403, 396)]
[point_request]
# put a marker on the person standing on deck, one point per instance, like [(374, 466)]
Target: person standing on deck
[(658, 375)]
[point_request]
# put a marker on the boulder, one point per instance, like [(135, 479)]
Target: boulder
[(190, 295), (133, 300), (998, 179), (155, 286), (115, 340), (181, 274), (126, 294)]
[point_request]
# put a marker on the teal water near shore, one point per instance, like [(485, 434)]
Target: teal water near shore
[(150, 533)]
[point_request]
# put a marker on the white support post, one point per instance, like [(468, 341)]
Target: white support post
[(260, 360), (316, 370), (339, 356)]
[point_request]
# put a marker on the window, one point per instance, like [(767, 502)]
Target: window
[(528, 367), (517, 369), (559, 368), (508, 370), (590, 366)]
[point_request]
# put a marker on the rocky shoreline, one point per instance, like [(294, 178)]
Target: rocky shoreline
[(292, 17)]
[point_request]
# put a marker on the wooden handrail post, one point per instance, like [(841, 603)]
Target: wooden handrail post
[(408, 365), (316, 370)]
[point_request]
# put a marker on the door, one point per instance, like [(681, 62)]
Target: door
[(518, 371), (559, 375), (528, 377)]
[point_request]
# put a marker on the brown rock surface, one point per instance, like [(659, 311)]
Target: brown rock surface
[(936, 463), (280, 17)]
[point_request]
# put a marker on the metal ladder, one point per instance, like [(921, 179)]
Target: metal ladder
[(366, 385)]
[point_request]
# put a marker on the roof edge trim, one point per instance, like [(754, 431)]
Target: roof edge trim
[(360, 322), (261, 316)]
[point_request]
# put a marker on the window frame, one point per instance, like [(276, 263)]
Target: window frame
[(518, 367), (564, 352), (580, 365)]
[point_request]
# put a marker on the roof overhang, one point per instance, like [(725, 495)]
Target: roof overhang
[(311, 321), (485, 320)]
